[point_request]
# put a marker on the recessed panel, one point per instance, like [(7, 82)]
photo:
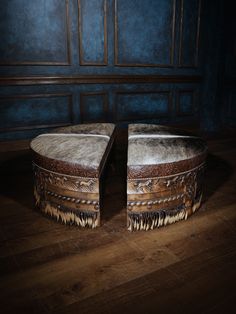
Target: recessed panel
[(34, 32), (141, 106), (144, 32), (93, 107), (35, 111), (92, 32)]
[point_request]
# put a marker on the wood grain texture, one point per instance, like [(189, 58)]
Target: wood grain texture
[(97, 79), (188, 267)]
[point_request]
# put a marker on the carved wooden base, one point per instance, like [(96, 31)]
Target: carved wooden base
[(158, 201), (69, 199)]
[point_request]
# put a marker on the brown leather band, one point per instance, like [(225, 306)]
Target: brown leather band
[(150, 171)]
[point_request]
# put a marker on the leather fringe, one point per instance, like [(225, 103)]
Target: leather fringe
[(150, 220), (87, 219)]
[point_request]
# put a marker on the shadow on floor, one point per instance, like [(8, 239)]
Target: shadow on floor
[(218, 171), (16, 177)]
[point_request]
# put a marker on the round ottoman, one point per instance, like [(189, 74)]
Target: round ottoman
[(68, 165), (164, 176)]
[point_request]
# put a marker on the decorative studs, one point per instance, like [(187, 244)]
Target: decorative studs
[(72, 199), (156, 201)]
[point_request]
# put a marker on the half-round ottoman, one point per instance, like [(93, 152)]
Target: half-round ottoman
[(164, 175), (68, 165)]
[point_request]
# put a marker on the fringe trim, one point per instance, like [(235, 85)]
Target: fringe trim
[(82, 219), (150, 220), (197, 204), (87, 219), (36, 197)]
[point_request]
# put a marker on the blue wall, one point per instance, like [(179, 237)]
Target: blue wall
[(76, 61)]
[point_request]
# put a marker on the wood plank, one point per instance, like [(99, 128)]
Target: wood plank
[(150, 252), (189, 286), (187, 267)]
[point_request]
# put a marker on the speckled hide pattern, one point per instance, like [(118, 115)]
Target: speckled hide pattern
[(165, 175), (68, 164)]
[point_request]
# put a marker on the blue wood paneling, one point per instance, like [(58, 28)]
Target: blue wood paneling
[(34, 32), (142, 105), (92, 37), (93, 107), (93, 32), (68, 38), (31, 110), (35, 111), (144, 32)]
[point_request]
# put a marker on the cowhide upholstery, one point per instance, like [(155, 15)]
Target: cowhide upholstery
[(105, 129), (68, 164), (165, 175), (81, 149)]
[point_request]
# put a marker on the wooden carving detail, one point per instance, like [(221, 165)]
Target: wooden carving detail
[(70, 199), (142, 186), (158, 201), (89, 184), (78, 184)]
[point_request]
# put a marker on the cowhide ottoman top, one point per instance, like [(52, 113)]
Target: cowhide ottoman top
[(68, 164), (165, 174)]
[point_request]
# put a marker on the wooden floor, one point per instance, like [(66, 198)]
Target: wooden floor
[(188, 267)]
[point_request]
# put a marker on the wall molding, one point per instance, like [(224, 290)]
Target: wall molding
[(105, 49), (167, 93), (83, 95), (171, 50), (39, 126), (50, 63), (97, 79)]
